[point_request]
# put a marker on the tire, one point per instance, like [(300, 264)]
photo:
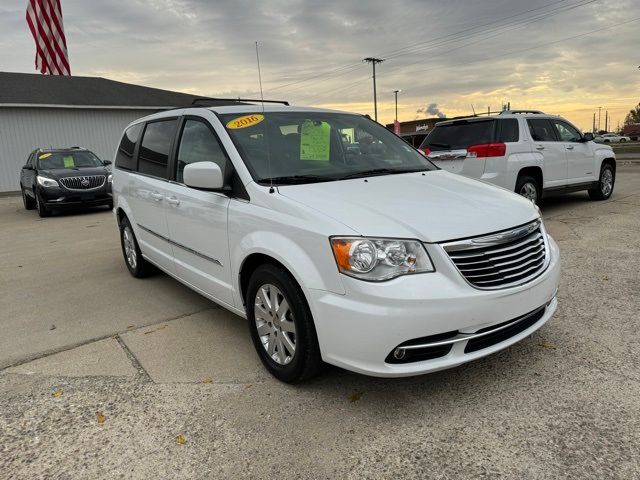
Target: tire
[(528, 187), (137, 265), (606, 182), (43, 210), (295, 325), (27, 201), (622, 140), (606, 141)]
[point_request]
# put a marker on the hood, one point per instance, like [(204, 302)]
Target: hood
[(70, 172), (433, 207)]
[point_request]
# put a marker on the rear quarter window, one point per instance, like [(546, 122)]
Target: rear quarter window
[(508, 130), (124, 155), (460, 135)]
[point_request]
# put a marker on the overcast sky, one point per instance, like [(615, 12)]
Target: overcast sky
[(566, 57)]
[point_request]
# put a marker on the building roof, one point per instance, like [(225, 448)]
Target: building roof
[(29, 89)]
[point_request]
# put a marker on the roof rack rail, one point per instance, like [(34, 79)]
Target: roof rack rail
[(197, 101), (508, 112)]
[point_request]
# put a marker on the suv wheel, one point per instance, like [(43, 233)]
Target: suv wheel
[(281, 325), (528, 187), (138, 266), (27, 201), (607, 180), (43, 210), (622, 140)]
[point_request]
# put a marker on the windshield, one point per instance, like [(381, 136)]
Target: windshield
[(304, 147), (73, 160)]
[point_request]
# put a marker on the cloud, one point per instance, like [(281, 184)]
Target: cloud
[(462, 52), (431, 109)]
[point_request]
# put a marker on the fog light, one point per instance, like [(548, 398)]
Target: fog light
[(399, 353)]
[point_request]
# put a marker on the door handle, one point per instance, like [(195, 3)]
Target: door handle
[(157, 196), (173, 201), (569, 147), (539, 147)]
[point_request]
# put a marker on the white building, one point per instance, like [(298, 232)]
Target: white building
[(43, 111)]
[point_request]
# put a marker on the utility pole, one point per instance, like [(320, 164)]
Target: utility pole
[(606, 120), (396, 93), (373, 61), (594, 123), (599, 116)]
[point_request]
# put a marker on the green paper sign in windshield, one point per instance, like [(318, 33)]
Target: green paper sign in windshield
[(315, 141), (68, 162)]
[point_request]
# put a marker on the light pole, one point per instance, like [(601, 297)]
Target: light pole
[(396, 93), (599, 109)]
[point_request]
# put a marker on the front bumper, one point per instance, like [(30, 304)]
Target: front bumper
[(59, 197), (359, 330)]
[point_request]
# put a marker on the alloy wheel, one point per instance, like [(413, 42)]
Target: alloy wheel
[(129, 247), (606, 182), (529, 191), (274, 323)]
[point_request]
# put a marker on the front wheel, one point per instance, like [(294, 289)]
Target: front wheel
[(43, 210), (605, 185), (528, 187), (622, 140), (27, 201), (281, 325)]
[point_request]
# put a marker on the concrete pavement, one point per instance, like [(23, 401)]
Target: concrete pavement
[(103, 373)]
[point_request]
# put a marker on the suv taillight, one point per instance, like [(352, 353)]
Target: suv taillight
[(426, 151), (487, 150)]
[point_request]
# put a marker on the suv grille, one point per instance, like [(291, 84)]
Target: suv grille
[(504, 259), (83, 183)]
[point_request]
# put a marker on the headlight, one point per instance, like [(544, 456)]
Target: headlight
[(46, 182), (377, 259), (110, 178)]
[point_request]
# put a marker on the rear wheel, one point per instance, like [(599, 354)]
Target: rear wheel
[(606, 182), (43, 210), (281, 325), (138, 266), (28, 202), (529, 188)]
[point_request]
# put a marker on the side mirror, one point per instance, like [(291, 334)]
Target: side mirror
[(587, 137), (203, 175), (106, 162), (28, 167)]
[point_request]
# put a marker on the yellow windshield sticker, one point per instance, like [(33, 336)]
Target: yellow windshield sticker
[(44, 155), (68, 162), (245, 121), (315, 141)]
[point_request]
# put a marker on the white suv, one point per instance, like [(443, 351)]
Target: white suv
[(524, 151), (337, 241)]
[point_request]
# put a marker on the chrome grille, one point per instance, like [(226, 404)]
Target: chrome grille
[(504, 259), (88, 182)]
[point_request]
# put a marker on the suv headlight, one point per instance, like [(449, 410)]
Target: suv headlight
[(378, 259), (46, 182), (110, 178)]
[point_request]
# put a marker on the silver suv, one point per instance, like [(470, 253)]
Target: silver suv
[(525, 151)]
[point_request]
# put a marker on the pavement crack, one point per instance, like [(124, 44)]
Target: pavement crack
[(134, 360)]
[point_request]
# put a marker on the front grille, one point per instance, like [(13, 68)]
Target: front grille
[(501, 260), (83, 183)]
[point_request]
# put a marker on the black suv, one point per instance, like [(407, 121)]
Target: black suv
[(65, 177)]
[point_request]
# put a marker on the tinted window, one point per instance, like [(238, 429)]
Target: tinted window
[(459, 135), (509, 131), (541, 130), (155, 148), (198, 144), (566, 132), (124, 155)]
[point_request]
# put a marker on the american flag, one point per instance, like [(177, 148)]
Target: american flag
[(45, 22)]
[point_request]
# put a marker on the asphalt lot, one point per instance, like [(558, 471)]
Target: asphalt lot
[(104, 376)]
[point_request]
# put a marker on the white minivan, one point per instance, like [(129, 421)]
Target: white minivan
[(335, 239)]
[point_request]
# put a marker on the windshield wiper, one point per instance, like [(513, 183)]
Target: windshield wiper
[(381, 171), (296, 179)]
